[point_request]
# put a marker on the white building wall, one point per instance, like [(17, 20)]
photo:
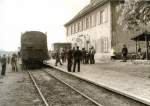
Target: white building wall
[(98, 36)]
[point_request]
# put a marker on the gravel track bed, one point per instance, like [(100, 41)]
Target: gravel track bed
[(30, 92), (101, 95), (58, 94)]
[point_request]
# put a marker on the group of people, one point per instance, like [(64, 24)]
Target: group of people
[(7, 60), (88, 56), (138, 55), (74, 57)]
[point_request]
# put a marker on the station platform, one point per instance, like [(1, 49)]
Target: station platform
[(126, 78)]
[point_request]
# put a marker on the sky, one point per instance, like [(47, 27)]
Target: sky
[(49, 16)]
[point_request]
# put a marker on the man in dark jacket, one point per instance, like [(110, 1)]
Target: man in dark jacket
[(83, 55), (124, 53), (77, 58), (73, 50), (3, 63), (92, 53), (69, 59), (58, 56)]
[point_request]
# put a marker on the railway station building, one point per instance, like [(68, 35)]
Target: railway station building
[(97, 25)]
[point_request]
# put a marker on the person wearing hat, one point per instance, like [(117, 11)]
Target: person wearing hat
[(58, 56), (3, 64), (124, 53), (77, 59), (14, 63)]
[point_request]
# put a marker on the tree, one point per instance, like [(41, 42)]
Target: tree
[(135, 14)]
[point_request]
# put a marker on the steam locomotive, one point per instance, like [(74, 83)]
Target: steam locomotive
[(33, 49)]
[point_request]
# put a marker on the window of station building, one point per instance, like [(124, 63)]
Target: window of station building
[(76, 27), (79, 28), (90, 21), (82, 24), (98, 18), (71, 29), (87, 22), (103, 16), (94, 17), (104, 45), (106, 14), (67, 31)]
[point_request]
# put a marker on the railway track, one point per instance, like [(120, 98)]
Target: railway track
[(38, 89), (49, 81), (96, 95), (101, 95)]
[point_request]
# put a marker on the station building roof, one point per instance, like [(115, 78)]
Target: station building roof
[(90, 7)]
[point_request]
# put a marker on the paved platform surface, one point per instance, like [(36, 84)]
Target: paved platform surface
[(125, 77), (16, 89)]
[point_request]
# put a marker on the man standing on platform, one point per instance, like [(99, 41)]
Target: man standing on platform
[(92, 60), (77, 58), (3, 64), (69, 59), (83, 55), (124, 53), (58, 57)]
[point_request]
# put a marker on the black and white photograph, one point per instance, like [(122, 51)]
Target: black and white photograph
[(74, 52)]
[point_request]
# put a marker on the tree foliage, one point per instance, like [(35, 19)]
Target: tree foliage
[(135, 14)]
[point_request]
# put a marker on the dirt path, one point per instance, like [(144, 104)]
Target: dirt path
[(16, 89)]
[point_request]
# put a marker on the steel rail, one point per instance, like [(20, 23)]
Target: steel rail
[(92, 100), (38, 89)]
